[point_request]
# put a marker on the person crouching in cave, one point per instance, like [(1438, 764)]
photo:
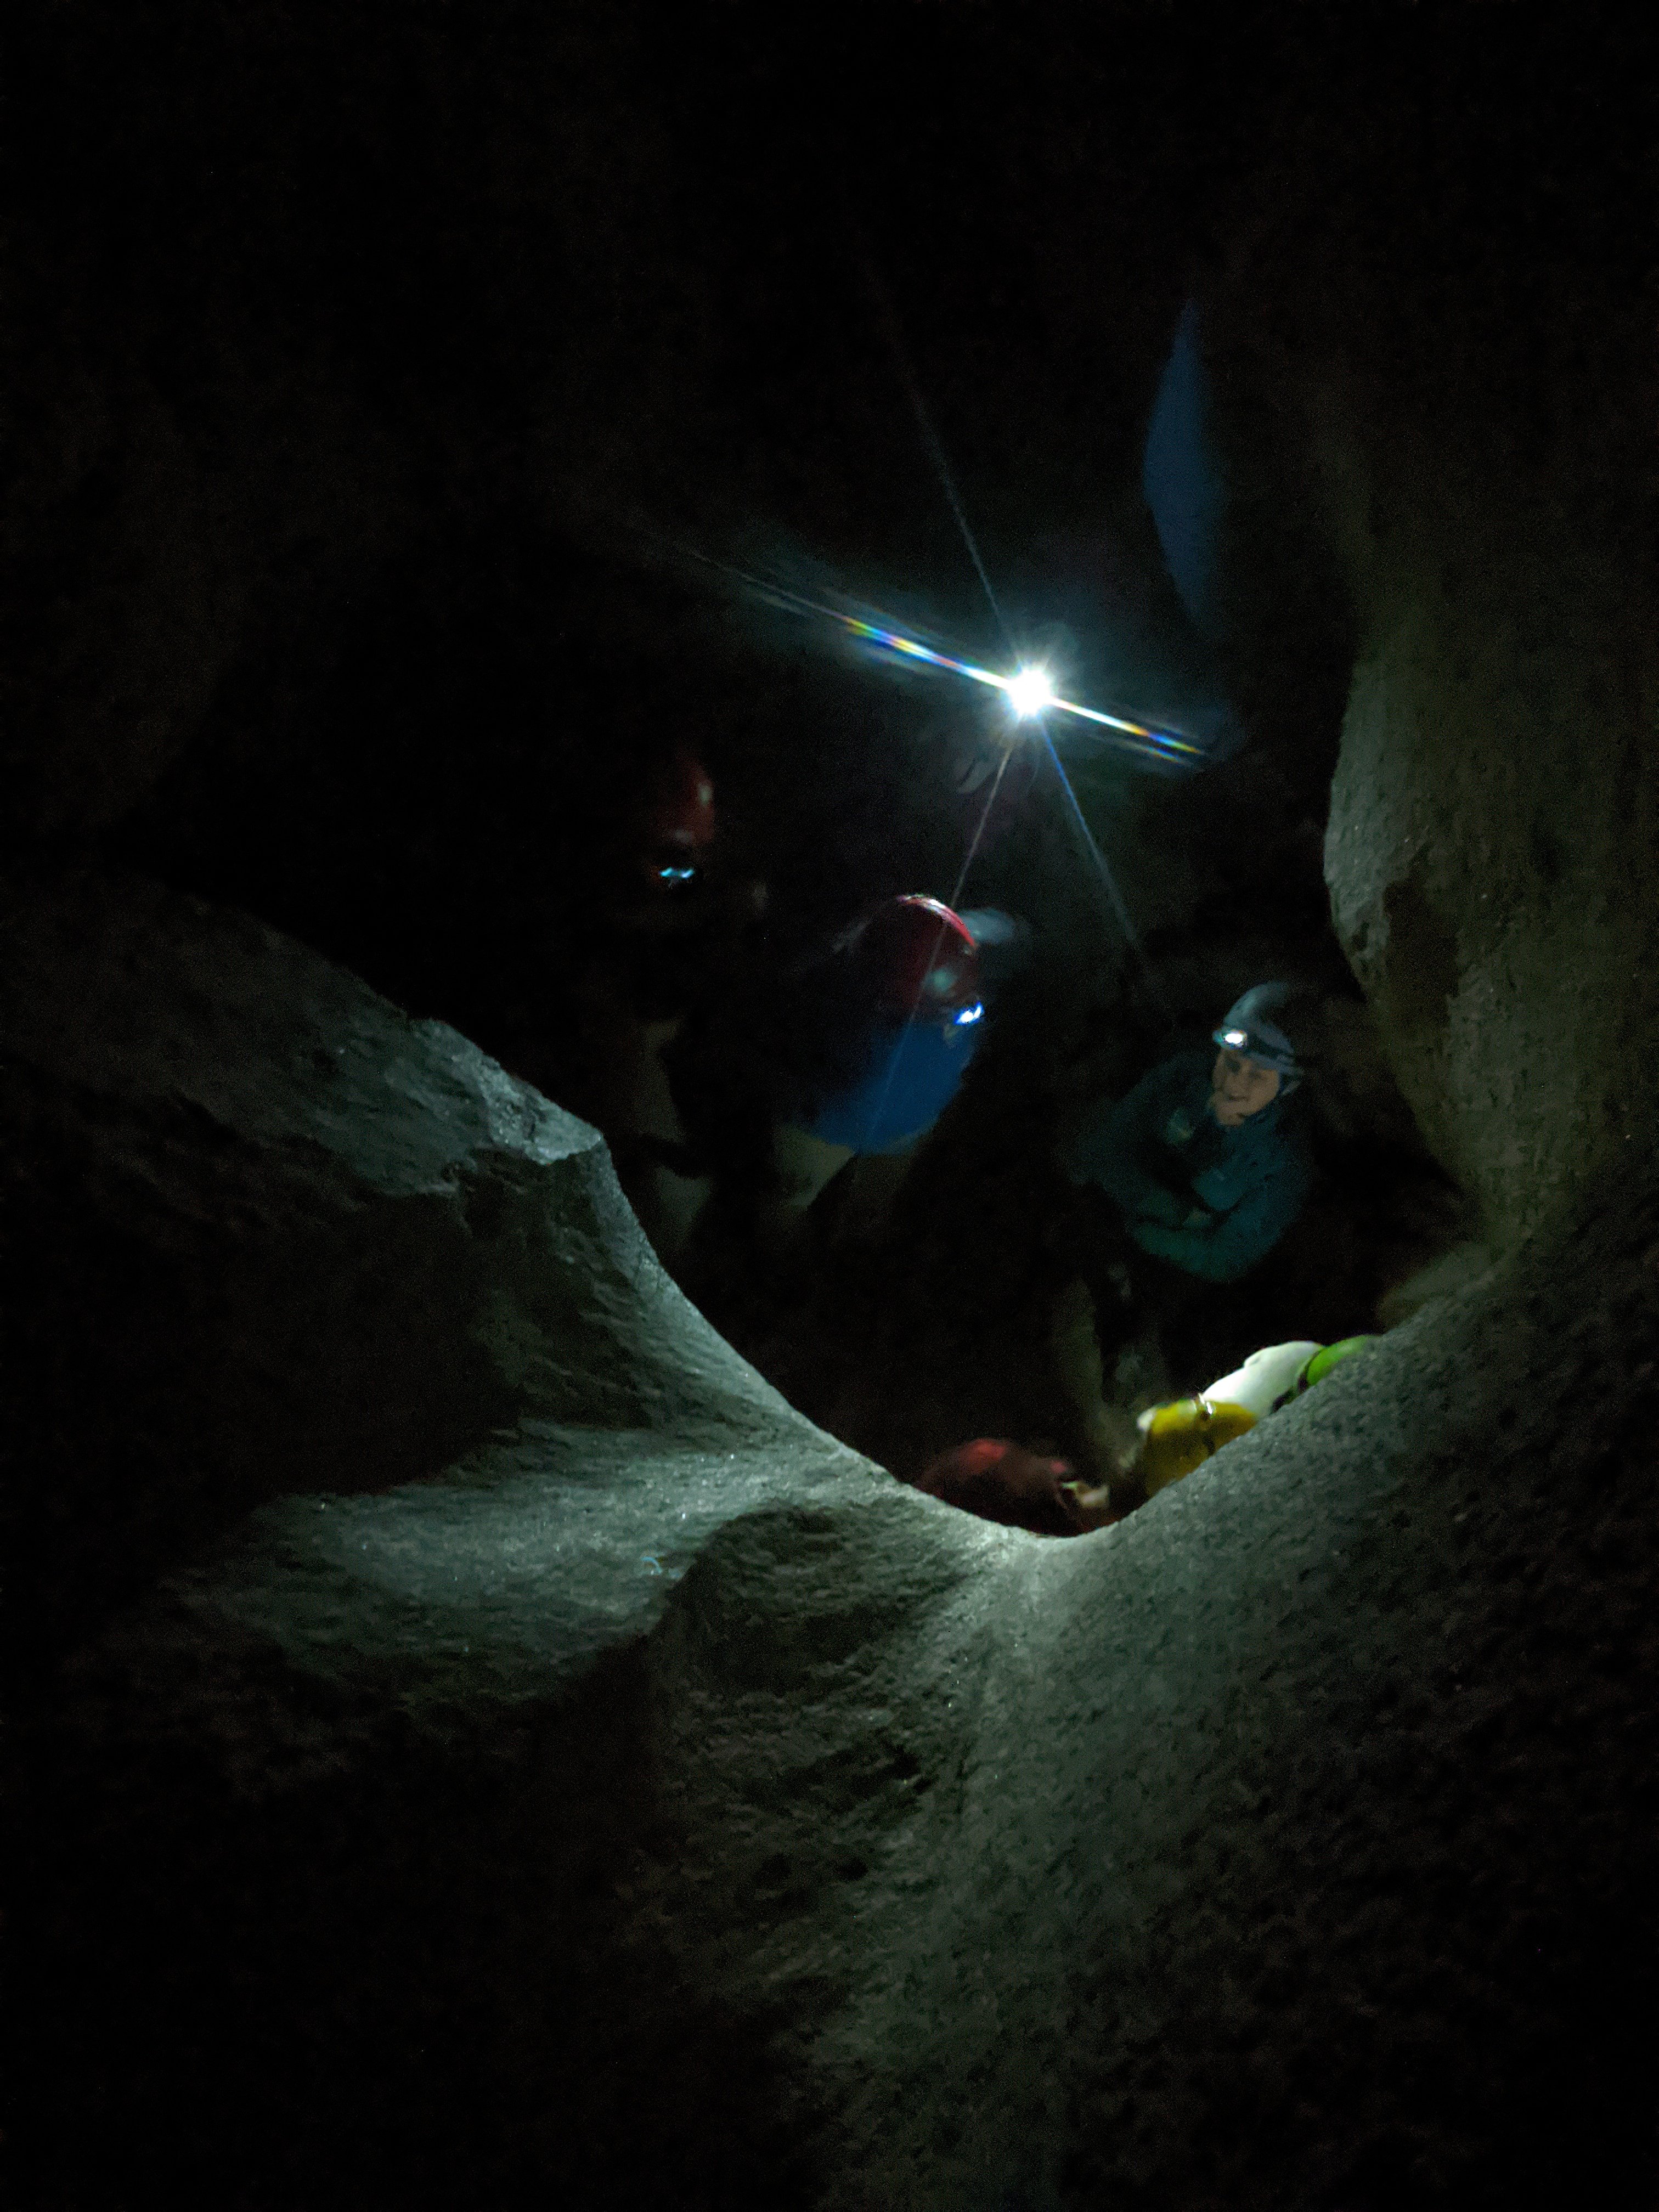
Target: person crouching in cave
[(915, 1009), (1206, 1168), (655, 944)]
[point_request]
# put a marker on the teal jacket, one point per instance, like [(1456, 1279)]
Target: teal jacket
[(1214, 1201)]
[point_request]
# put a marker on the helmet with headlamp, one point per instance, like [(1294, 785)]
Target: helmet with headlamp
[(678, 820), (1249, 1028), (923, 961)]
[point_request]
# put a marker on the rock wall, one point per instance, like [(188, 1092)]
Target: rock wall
[(653, 1804), (1494, 842), (1427, 346), (260, 1222), (1438, 372)]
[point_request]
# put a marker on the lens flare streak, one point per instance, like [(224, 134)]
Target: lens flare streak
[(1132, 736), (1164, 744)]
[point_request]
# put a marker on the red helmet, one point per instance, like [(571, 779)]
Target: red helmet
[(922, 957), (1003, 1481), (679, 818)]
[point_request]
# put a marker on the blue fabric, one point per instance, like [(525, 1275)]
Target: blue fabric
[(1181, 476), (1211, 1200), (910, 1077)]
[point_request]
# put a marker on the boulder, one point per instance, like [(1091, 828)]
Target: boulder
[(555, 1772), (1494, 828), (260, 1222)]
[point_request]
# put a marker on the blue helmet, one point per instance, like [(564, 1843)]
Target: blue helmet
[(1247, 1028)]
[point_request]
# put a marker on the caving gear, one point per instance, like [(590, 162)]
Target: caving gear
[(1196, 515), (912, 1019), (1213, 1201), (1183, 1435), (680, 820), (1267, 1379), (911, 1075), (920, 958), (1003, 1481), (1182, 476), (1248, 1030), (1322, 1362)]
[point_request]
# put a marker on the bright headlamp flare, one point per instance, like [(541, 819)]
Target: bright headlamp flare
[(1027, 690), (1031, 696)]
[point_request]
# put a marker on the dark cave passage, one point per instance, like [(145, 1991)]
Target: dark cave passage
[(427, 743)]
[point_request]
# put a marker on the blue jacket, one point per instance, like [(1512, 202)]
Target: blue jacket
[(909, 1077), (1211, 1201)]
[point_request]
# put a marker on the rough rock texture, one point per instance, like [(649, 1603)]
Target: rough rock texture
[(263, 1226), (1494, 829), (1452, 344), (654, 1805)]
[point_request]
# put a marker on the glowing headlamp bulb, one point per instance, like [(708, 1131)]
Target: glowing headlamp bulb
[(1029, 692)]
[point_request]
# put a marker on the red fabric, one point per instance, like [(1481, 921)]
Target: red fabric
[(1003, 1481)]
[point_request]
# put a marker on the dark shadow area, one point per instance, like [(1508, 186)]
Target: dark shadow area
[(547, 411), (448, 1989)]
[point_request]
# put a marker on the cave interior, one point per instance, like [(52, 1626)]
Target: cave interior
[(460, 1680)]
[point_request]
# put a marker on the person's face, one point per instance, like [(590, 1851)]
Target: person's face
[(1239, 1088)]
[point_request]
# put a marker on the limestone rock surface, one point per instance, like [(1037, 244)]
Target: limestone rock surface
[(609, 1791), (1493, 837), (262, 1227)]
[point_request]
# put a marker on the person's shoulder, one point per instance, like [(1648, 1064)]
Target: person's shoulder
[(1285, 1135)]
